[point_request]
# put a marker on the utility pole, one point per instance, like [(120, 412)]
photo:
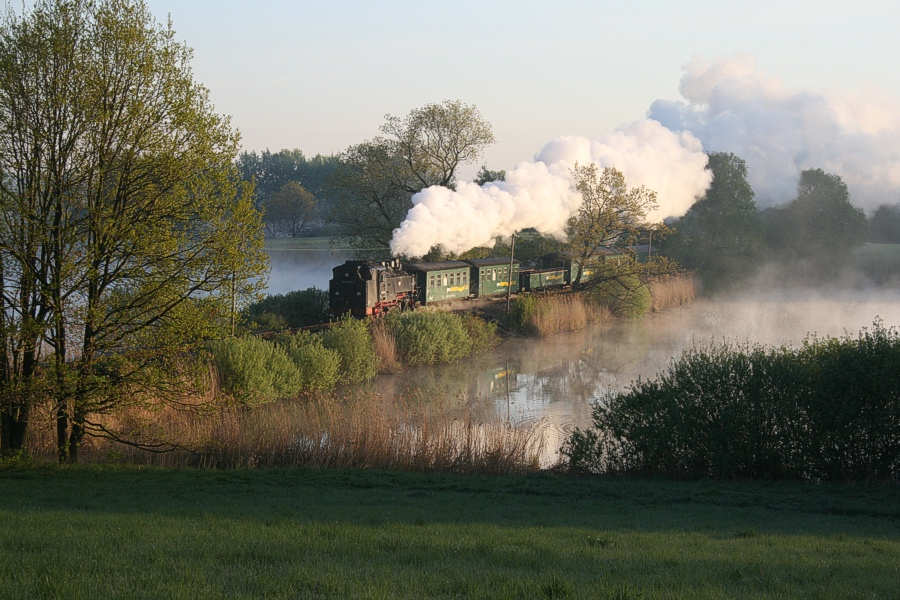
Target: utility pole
[(509, 282)]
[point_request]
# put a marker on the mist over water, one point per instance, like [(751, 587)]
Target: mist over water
[(298, 269), (555, 381)]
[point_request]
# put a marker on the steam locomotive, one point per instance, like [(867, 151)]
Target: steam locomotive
[(371, 288)]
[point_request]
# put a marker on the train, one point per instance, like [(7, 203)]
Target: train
[(366, 288)]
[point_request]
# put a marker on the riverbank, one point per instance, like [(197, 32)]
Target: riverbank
[(129, 532)]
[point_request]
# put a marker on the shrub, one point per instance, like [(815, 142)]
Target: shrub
[(254, 370), (294, 309), (319, 366), (351, 339), (482, 334), (428, 338), (828, 410), (626, 296)]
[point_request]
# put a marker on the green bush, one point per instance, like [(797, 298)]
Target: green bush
[(626, 296), (522, 311), (319, 366), (428, 338), (829, 410), (254, 370), (482, 334), (292, 310), (351, 339)]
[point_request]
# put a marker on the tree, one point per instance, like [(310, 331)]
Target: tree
[(610, 214), (720, 236), (485, 175), (376, 179), (819, 227), (140, 238), (884, 224), (290, 209)]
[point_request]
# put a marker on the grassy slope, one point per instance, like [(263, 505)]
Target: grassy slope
[(124, 532)]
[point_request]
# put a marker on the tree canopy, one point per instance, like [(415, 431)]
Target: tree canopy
[(720, 236), (125, 232), (376, 179)]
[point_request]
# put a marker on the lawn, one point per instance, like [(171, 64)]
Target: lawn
[(125, 532)]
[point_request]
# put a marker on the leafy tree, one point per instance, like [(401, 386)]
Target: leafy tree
[(139, 237), (820, 227), (290, 209), (270, 171), (720, 236), (884, 224), (376, 179), (610, 214), (485, 175)]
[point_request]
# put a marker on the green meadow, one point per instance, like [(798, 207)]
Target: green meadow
[(129, 532)]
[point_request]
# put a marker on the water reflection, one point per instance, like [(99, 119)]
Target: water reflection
[(556, 380)]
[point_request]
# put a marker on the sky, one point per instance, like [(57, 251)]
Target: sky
[(321, 76)]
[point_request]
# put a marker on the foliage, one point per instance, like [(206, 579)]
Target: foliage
[(291, 310), (428, 338), (254, 370), (289, 209), (352, 341), (624, 294), (884, 225), (610, 214), (486, 175), (375, 180), (819, 228), (271, 171), (720, 237), (319, 366), (120, 228), (829, 410)]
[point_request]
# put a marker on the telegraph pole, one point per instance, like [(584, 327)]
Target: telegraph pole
[(509, 282)]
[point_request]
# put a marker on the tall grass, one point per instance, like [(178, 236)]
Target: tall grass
[(672, 291), (385, 347), (366, 432), (545, 315)]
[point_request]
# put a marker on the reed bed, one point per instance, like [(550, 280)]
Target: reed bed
[(325, 431), (556, 313), (385, 348), (672, 291)]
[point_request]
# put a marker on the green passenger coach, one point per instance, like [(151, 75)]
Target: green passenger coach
[(441, 281), (490, 276)]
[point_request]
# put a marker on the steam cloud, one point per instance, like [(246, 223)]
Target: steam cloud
[(732, 107), (541, 193)]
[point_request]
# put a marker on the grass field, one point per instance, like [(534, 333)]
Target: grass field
[(124, 532)]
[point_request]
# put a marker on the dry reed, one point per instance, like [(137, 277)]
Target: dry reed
[(385, 348), (675, 290), (369, 432), (565, 312)]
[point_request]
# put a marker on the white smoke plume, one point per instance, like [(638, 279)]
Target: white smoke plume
[(730, 106), (541, 193)]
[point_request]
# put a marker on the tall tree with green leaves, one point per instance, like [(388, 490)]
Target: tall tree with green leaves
[(142, 236), (720, 237), (610, 216), (376, 179)]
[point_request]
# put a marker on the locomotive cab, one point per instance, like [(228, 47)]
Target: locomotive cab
[(367, 288)]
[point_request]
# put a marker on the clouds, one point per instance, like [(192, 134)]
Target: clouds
[(730, 106)]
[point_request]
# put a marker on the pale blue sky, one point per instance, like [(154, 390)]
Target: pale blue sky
[(321, 76)]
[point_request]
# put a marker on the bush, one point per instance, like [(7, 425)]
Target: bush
[(626, 296), (351, 339), (482, 334), (292, 310), (319, 366), (254, 370), (428, 338), (829, 410)]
